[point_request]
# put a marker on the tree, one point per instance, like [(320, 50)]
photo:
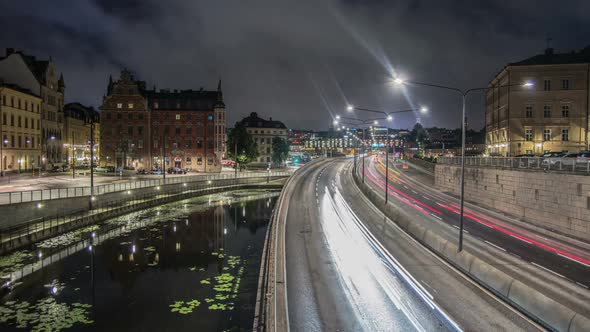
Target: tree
[(280, 150), (246, 147), (420, 136)]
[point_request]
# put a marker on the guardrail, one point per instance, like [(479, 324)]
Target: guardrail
[(57, 193), (538, 163), (15, 236)]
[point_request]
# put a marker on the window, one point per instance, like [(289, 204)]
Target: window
[(268, 140), (12, 140), (12, 101), (547, 111), (140, 144), (140, 130), (188, 117), (119, 116), (119, 105), (177, 130), (547, 85), (5, 141), (20, 141), (32, 124), (188, 143), (155, 144), (26, 105), (19, 121), (528, 135), (130, 116), (130, 130), (565, 111), (189, 131), (529, 111), (199, 144), (565, 84), (4, 100), (210, 117), (130, 105), (546, 134), (156, 105), (565, 134), (140, 116), (4, 118), (12, 120), (267, 150), (108, 116)]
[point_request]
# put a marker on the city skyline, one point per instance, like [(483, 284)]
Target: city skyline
[(275, 59)]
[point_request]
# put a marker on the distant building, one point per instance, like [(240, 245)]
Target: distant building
[(550, 116), (78, 120), (20, 129), (41, 78), (263, 131), (143, 128)]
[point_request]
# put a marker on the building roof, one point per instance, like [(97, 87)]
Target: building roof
[(37, 67), (552, 58), (81, 112), (253, 121), (181, 99), (17, 88)]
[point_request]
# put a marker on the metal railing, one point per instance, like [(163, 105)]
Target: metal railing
[(13, 236), (57, 193), (534, 163)]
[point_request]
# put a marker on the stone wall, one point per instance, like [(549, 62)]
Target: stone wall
[(556, 201)]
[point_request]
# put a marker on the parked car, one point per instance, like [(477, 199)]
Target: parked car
[(155, 171), (550, 154), (176, 170), (56, 169), (563, 159), (141, 172), (526, 155), (104, 169), (583, 158)]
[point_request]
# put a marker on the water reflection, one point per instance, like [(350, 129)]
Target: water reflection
[(198, 258)]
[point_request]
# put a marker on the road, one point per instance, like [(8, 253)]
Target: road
[(562, 259), (350, 269)]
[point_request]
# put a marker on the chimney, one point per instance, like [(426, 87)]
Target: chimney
[(549, 51), (9, 51)]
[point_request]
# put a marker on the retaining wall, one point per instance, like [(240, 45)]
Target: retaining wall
[(534, 303), (556, 201)]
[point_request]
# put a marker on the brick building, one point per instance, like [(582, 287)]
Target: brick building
[(140, 128)]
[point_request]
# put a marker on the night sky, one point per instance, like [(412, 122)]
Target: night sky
[(297, 61)]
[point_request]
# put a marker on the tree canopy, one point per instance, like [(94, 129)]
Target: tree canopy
[(280, 150), (246, 147)]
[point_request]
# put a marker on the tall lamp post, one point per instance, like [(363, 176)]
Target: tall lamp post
[(388, 117), (463, 94)]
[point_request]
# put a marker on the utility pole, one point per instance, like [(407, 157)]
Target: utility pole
[(236, 158), (387, 166), (91, 162)]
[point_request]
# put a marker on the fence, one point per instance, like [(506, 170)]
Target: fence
[(581, 165), (19, 235), (48, 194)]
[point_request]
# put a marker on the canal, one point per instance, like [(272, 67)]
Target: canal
[(189, 265)]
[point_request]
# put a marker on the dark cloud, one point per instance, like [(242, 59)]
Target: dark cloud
[(298, 61)]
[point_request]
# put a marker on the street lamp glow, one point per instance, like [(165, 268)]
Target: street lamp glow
[(350, 108), (337, 117), (389, 118), (528, 84), (335, 122), (423, 109), (398, 81), (376, 122)]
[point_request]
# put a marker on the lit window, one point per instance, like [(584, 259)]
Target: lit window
[(119, 105), (546, 134), (177, 116), (130, 105), (528, 134), (156, 105)]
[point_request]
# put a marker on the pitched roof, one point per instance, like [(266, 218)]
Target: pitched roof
[(81, 112), (551, 58), (181, 99), (255, 122), (17, 88)]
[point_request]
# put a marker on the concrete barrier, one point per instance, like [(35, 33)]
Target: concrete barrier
[(530, 301)]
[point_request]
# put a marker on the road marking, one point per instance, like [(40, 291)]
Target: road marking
[(546, 269), (317, 201), (493, 245), (516, 237), (571, 259), (457, 227), (515, 255), (437, 217), (582, 285)]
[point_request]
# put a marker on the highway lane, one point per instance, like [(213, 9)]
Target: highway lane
[(341, 277), (560, 259)]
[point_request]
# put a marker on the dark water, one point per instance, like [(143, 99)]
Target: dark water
[(191, 265)]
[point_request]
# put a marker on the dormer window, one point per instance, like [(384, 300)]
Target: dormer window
[(119, 105), (130, 105)]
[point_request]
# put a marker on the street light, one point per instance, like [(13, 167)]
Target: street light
[(463, 94)]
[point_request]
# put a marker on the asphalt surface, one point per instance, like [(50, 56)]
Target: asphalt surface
[(351, 269), (561, 259)]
